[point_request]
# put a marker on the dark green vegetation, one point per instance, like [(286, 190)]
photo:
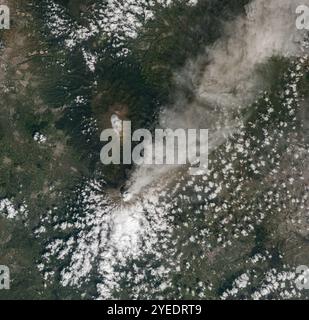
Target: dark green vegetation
[(43, 79), (39, 87)]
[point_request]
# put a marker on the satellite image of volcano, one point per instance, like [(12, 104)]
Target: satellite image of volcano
[(155, 223)]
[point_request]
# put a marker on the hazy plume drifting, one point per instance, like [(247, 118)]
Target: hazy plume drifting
[(224, 78)]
